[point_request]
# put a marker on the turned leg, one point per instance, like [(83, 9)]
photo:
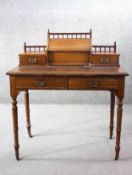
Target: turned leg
[(27, 113), (112, 114), (118, 129), (15, 126)]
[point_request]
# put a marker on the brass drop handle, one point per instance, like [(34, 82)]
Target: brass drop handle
[(105, 60), (93, 83), (32, 60), (39, 83)]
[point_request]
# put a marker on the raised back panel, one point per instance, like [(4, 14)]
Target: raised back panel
[(69, 48), (69, 45)]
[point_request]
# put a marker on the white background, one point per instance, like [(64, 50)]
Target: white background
[(29, 20), (68, 139)]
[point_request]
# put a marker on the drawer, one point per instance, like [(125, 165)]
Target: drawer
[(44, 82), (92, 83), (33, 59), (105, 59)]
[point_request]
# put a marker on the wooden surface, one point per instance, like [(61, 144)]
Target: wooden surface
[(74, 58), (69, 45), (32, 59), (104, 59), (68, 70), (31, 53), (69, 58)]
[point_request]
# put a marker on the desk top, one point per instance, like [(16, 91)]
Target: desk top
[(68, 71)]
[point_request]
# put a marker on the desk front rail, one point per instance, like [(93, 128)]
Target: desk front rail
[(68, 83)]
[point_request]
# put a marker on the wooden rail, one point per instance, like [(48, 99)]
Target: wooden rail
[(104, 48), (69, 35), (34, 48)]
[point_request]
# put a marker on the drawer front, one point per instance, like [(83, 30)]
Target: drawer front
[(105, 60), (32, 60), (44, 82), (92, 83)]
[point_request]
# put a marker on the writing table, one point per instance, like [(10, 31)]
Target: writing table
[(79, 68)]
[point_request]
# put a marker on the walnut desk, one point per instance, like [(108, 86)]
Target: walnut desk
[(83, 68)]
